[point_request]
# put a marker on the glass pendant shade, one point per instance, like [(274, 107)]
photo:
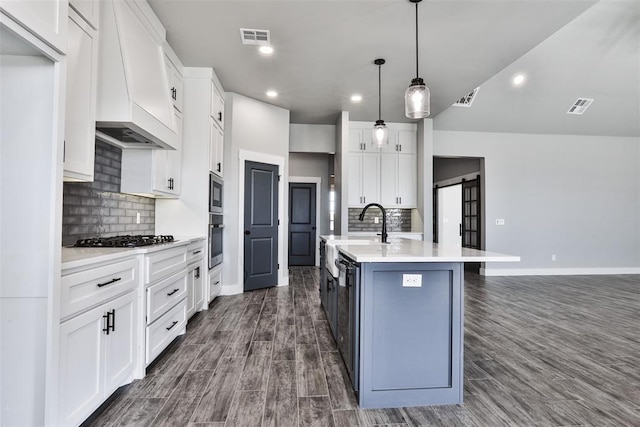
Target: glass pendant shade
[(380, 134), (417, 100)]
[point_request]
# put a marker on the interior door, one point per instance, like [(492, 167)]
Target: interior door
[(302, 224), (471, 221), (450, 215), (260, 225)]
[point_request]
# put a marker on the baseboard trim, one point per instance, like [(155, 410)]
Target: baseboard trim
[(557, 271), (232, 289)]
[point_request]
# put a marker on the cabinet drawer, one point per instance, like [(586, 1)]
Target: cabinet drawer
[(163, 331), (162, 264), (97, 284), (215, 282), (165, 294), (194, 252)]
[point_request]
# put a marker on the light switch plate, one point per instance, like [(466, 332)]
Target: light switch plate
[(500, 221), (412, 280)]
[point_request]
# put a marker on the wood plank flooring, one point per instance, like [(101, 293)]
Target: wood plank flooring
[(539, 351)]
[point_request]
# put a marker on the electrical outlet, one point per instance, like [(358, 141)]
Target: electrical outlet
[(553, 257), (376, 219), (500, 221), (412, 280), (137, 217)]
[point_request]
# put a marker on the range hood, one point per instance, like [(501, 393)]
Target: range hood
[(134, 108)]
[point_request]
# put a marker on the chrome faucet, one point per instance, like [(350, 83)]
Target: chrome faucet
[(384, 219)]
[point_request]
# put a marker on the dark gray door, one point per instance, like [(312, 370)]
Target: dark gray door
[(302, 224), (260, 225), (471, 219)]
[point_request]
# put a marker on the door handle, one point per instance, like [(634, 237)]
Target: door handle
[(313, 228), (247, 232)]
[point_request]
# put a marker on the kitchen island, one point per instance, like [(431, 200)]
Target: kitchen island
[(397, 314)]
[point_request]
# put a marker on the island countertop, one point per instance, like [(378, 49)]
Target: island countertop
[(363, 249)]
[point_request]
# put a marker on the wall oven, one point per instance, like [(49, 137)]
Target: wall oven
[(216, 228), (215, 194)]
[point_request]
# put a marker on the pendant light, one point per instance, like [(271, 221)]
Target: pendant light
[(417, 96), (380, 133)]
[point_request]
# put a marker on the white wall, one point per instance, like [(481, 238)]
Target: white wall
[(312, 138), (424, 214), (577, 197), (314, 165), (251, 126)]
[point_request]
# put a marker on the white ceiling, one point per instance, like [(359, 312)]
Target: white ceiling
[(325, 51)]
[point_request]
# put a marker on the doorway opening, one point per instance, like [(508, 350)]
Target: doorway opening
[(458, 203)]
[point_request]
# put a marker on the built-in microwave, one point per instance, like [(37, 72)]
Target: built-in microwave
[(216, 228), (215, 194)]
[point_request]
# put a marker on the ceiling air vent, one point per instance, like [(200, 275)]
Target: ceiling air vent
[(255, 37), (466, 100), (580, 106)]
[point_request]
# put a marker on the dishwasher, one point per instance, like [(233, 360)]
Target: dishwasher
[(348, 317)]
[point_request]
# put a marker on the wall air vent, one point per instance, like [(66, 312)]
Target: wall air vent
[(580, 106), (255, 37), (466, 100)]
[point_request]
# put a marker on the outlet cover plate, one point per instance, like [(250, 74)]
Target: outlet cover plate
[(412, 280)]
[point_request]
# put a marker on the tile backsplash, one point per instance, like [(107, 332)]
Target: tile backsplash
[(397, 220), (98, 208)]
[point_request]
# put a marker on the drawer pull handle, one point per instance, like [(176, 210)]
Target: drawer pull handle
[(117, 279), (173, 292), (175, 322), (196, 252)]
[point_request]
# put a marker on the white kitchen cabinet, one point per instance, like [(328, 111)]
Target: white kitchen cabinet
[(133, 90), (217, 106), (88, 9), (195, 273), (46, 19), (363, 178), (174, 77), (165, 279), (97, 355), (360, 140), (401, 141), (153, 173), (80, 117), (215, 282), (398, 180), (216, 148)]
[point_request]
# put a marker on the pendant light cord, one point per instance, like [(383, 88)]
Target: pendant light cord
[(417, 73), (379, 93)]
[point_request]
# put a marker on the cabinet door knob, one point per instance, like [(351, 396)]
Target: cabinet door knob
[(219, 116), (219, 167)]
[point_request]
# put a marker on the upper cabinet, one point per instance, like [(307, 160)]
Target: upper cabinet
[(134, 107), (174, 75), (82, 60), (386, 175), (88, 9), (360, 141), (45, 19), (217, 106)]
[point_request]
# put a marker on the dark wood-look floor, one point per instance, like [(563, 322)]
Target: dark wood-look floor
[(539, 351)]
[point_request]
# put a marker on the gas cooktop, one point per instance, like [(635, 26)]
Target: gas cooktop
[(123, 241)]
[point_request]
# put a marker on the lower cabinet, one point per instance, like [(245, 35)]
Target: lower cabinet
[(97, 355), (195, 296), (215, 282)]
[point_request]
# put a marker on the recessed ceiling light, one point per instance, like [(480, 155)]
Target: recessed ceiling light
[(356, 98), (272, 93), (266, 50), (518, 79)]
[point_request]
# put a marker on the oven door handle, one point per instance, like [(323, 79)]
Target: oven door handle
[(217, 225)]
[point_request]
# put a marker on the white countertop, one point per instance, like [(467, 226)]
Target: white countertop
[(407, 250), (73, 257)]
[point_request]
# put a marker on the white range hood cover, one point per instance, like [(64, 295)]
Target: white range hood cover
[(134, 108)]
